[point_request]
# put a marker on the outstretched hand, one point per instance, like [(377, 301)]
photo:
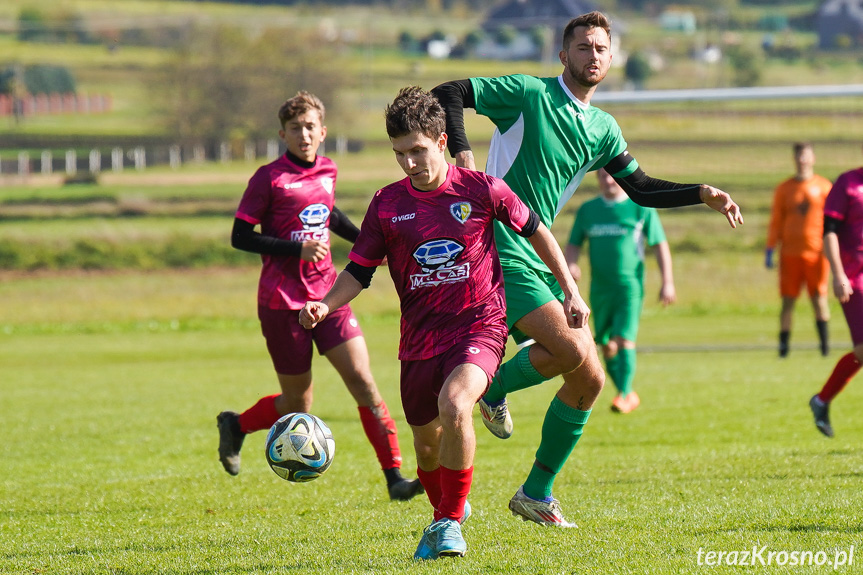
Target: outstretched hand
[(722, 203)]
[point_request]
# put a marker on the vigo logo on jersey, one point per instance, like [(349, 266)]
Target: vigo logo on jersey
[(314, 218), (437, 258)]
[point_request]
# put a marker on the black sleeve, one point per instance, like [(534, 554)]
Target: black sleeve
[(455, 96), (832, 225), (342, 226), (531, 226), (362, 274), (652, 192), (244, 237)]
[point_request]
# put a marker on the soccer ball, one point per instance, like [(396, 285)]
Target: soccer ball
[(300, 447)]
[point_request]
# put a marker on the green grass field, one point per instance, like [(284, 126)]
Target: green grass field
[(111, 383)]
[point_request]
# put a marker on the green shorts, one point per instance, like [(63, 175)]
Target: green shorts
[(615, 311), (526, 290)]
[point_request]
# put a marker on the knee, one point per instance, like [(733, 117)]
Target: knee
[(589, 378), (581, 351), (594, 377)]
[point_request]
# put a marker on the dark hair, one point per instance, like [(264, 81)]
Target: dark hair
[(589, 20), (300, 104), (415, 110), (800, 146)]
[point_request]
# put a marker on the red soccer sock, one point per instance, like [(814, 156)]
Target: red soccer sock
[(846, 367), (431, 483), (381, 431), (455, 485), (262, 415)]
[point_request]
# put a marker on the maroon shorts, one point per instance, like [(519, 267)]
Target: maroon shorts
[(853, 310), (290, 344), (422, 380)]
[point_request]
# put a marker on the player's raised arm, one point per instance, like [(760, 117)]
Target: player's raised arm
[(455, 96), (722, 203), (655, 193)]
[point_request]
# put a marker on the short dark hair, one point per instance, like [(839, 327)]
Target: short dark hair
[(800, 146), (415, 110), (300, 104), (593, 19)]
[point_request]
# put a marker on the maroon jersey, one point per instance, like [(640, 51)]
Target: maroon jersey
[(292, 203), (845, 203), (441, 255)]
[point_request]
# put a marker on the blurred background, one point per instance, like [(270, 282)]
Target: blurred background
[(142, 119)]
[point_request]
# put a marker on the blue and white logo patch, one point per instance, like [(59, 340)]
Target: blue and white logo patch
[(437, 258), (460, 211), (315, 215), (437, 253)]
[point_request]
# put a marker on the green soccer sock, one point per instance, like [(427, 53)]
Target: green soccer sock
[(517, 373), (612, 365), (561, 430), (626, 370)]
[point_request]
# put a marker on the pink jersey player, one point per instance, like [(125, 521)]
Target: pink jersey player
[(845, 204), (843, 246), (291, 199), (435, 230), (292, 202), (442, 257)]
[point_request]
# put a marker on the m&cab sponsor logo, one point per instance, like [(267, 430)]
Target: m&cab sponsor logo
[(437, 259), (314, 218)]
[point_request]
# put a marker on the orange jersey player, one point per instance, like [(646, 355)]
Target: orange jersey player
[(797, 226)]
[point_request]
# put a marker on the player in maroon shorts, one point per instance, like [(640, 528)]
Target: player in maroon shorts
[(435, 230), (292, 200), (843, 246)]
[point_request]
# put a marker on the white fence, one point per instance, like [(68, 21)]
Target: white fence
[(117, 159)]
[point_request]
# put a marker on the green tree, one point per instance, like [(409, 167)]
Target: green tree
[(637, 69), (222, 85), (31, 25), (505, 35), (746, 66), (43, 79)]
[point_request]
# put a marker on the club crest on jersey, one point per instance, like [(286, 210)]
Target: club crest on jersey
[(437, 258), (327, 183), (460, 211), (314, 218)]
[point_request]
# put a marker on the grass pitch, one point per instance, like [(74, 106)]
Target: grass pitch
[(110, 390)]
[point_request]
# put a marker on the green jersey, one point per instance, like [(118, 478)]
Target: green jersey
[(616, 232), (544, 143)]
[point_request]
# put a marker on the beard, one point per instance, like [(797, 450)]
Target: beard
[(584, 78)]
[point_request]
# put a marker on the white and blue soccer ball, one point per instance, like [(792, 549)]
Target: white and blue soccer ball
[(300, 447)]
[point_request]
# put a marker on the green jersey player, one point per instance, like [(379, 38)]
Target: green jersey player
[(548, 137), (617, 231)]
